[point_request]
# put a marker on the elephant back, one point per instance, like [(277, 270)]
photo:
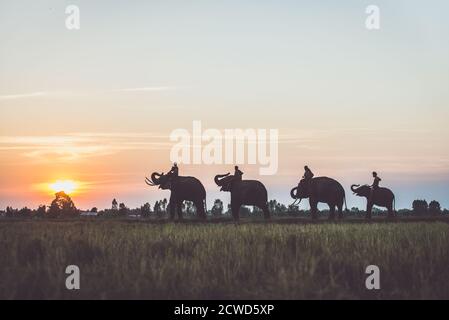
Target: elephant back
[(251, 189), (385, 192), (326, 184), (189, 185)]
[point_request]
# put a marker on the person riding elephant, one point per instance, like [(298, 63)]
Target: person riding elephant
[(375, 185), (182, 189), (308, 174), (321, 189), (307, 177), (243, 192), (376, 181), (376, 196), (174, 171), (237, 174)]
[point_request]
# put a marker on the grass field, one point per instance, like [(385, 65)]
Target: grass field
[(223, 261)]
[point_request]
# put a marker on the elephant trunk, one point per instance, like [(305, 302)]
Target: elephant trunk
[(294, 194), (354, 187), (154, 179), (218, 177)]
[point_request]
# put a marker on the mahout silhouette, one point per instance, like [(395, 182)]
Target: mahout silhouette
[(380, 196), (308, 174), (243, 192), (174, 171), (237, 173), (375, 185), (321, 189), (183, 188)]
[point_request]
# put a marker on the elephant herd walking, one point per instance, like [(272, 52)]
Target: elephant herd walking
[(253, 193)]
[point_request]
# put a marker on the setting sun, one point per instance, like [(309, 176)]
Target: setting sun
[(68, 186)]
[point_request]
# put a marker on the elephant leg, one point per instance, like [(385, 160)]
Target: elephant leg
[(369, 208), (331, 212), (390, 211), (179, 209), (172, 209), (199, 204), (266, 212), (313, 209), (340, 211), (235, 211)]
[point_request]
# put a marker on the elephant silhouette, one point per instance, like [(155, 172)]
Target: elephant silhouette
[(182, 189), (382, 197), (321, 189), (244, 192)]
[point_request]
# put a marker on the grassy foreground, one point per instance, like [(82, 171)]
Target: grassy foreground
[(223, 261)]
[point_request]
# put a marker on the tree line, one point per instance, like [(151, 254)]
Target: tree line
[(63, 206)]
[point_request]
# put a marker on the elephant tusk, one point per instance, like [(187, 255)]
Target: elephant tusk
[(149, 182), (294, 202)]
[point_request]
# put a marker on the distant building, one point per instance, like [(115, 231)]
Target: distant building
[(88, 213)]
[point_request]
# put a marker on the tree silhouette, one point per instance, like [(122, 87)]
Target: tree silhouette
[(256, 210), (40, 212), (434, 207), (294, 208), (122, 209), (217, 208), (62, 205), (114, 205), (420, 206), (183, 206), (229, 209), (25, 212), (145, 210), (190, 209), (276, 207), (10, 212), (157, 208), (272, 205)]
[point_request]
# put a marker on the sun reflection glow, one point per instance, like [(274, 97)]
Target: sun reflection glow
[(68, 186)]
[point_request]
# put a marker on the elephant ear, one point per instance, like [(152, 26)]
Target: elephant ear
[(303, 189), (226, 186)]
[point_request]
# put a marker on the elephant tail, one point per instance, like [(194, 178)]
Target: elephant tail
[(394, 203)]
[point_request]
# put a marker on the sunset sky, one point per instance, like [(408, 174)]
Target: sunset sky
[(97, 105)]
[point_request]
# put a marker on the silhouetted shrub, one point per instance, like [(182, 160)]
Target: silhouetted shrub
[(25, 213), (40, 212), (434, 207), (145, 210), (420, 206), (122, 209), (217, 208)]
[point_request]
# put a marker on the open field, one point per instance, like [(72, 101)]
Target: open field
[(121, 259)]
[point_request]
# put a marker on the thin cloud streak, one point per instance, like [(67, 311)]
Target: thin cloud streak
[(71, 147), (146, 89), (22, 95), (67, 93)]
